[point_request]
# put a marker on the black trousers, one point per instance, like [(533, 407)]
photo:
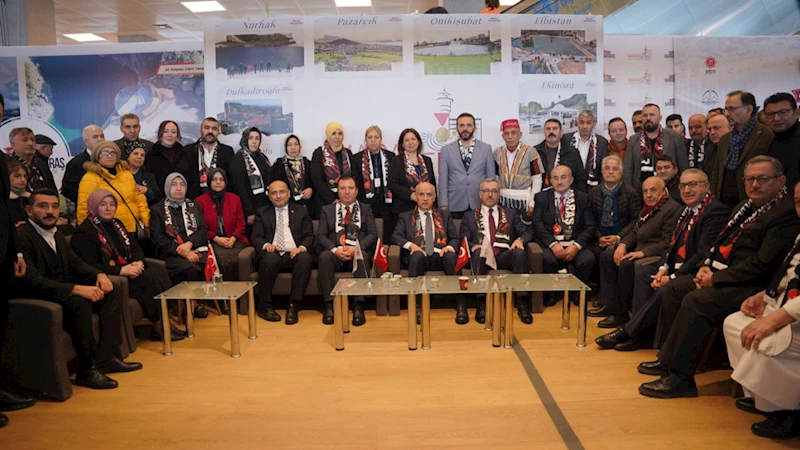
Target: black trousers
[(272, 263), (514, 260), (581, 266), (329, 264), (382, 210), (78, 324), (696, 313), (153, 281), (418, 263), (646, 301), (616, 282), (181, 270)]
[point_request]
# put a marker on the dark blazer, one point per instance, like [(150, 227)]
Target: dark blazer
[(73, 174), (544, 217), (601, 151), (404, 231), (16, 208), (232, 216), (165, 246), (359, 176), (675, 192), (299, 223), (154, 193), (653, 237), (469, 228), (147, 145), (570, 158), (701, 238), (44, 167), (761, 247), (239, 183), (322, 191), (400, 186), (757, 144), (86, 245), (158, 164), (8, 247), (629, 203), (224, 157), (672, 144), (326, 238), (279, 173), (38, 281)]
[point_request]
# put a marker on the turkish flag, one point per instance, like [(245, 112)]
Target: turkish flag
[(211, 264), (463, 255), (380, 258)]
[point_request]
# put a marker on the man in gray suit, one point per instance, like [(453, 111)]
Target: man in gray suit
[(652, 142), (463, 164)]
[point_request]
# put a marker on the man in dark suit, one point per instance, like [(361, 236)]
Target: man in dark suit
[(553, 154), (23, 146), (694, 233), (92, 135), (204, 154), (130, 128), (428, 240), (56, 274), (508, 237), (615, 206), (652, 142), (667, 170), (282, 235), (343, 225), (747, 252), (591, 147), (696, 151), (565, 228)]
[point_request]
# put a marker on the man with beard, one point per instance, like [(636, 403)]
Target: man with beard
[(130, 128), (637, 121), (645, 147), (740, 263), (463, 164), (718, 126), (554, 154), (23, 147), (698, 134), (748, 138), (667, 170), (92, 135), (591, 147), (782, 114), (675, 123), (205, 154), (520, 171)]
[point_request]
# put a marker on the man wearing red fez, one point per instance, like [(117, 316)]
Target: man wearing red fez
[(519, 171)]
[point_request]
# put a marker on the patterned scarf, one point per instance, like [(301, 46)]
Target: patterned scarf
[(617, 150), (507, 175), (295, 171), (332, 170), (347, 233), (414, 178), (439, 234), (189, 220), (789, 279), (648, 155), (591, 158), (368, 174), (502, 234), (696, 155), (607, 219), (738, 141), (466, 153), (563, 227), (35, 177), (202, 167), (257, 185), (109, 249), (684, 226), (648, 211), (672, 183), (556, 160), (129, 147)]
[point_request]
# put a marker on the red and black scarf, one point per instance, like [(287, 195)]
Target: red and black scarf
[(115, 255), (332, 170), (439, 234), (368, 173), (414, 177), (502, 233), (648, 211), (294, 174), (686, 222)]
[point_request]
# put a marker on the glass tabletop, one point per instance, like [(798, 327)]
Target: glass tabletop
[(200, 290), (452, 284), (376, 286), (558, 282)]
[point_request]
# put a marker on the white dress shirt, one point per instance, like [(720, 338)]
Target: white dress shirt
[(49, 236), (583, 148), (288, 239)]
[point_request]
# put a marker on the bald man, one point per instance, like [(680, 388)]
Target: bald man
[(718, 126), (698, 133), (92, 135)]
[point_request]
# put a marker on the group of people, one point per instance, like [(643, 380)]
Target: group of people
[(677, 233)]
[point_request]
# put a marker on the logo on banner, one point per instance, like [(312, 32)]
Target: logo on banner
[(608, 55), (711, 63), (670, 55), (646, 78), (608, 78), (609, 102), (640, 104), (670, 102), (710, 98), (796, 93), (447, 125), (589, 19), (645, 55), (670, 78)]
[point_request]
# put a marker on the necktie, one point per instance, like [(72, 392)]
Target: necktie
[(492, 230), (429, 234), (280, 241), (348, 216), (561, 207)]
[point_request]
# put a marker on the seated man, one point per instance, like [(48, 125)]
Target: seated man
[(763, 341), (282, 235), (508, 237), (428, 239), (56, 274), (698, 226), (667, 170), (744, 256), (564, 227), (644, 244), (344, 224)]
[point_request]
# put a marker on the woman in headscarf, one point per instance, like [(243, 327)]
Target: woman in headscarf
[(295, 170), (102, 241), (328, 164), (407, 170), (146, 183), (250, 174), (223, 214), (180, 235)]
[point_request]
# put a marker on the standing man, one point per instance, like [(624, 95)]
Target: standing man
[(645, 147), (718, 126), (130, 128), (618, 138), (554, 154), (591, 147), (675, 123), (44, 147), (782, 115), (748, 138), (667, 170), (520, 171), (463, 164), (282, 235), (698, 134), (637, 121), (23, 147), (205, 154), (92, 135)]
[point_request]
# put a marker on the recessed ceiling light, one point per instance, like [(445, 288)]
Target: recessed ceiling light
[(200, 7), (352, 3), (85, 37), (508, 2)]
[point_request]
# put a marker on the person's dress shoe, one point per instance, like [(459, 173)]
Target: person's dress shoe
[(655, 368), (200, 312), (613, 321), (747, 404), (93, 379), (550, 299), (327, 314), (10, 401), (114, 365), (291, 314), (779, 425), (602, 311), (480, 313), (524, 313), (224, 308), (358, 314), (269, 315), (462, 316), (608, 341), (631, 345), (157, 333), (3, 420), (671, 385)]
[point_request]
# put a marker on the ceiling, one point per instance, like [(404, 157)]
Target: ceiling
[(130, 19)]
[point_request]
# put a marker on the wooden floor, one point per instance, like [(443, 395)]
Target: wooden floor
[(290, 389)]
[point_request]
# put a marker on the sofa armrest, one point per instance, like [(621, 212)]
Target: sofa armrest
[(394, 258), (535, 261), (246, 264)]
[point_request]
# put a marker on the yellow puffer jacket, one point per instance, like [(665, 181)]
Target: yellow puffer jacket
[(95, 178)]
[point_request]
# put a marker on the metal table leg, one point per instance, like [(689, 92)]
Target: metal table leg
[(345, 305), (234, 323), (337, 323), (496, 319), (582, 321), (489, 312), (251, 315), (412, 321), (426, 321), (509, 325), (189, 319), (166, 328), (565, 312)]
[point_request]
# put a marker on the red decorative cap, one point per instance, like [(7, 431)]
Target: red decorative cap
[(510, 123)]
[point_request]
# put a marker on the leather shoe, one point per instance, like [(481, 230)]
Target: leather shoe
[(157, 333), (608, 341), (602, 311), (3, 420), (10, 401), (748, 405), (656, 368), (358, 314), (462, 316), (327, 315), (779, 425), (631, 345), (480, 313), (114, 365), (613, 321), (671, 385), (291, 314), (524, 313), (269, 315), (200, 312), (550, 299), (93, 379)]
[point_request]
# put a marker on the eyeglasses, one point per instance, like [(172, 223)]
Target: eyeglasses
[(781, 113), (761, 179), (490, 191), (108, 153), (690, 185), (731, 109)]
